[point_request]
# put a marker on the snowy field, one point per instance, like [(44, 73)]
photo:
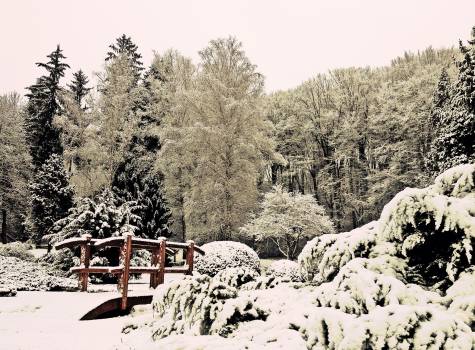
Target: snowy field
[(50, 320)]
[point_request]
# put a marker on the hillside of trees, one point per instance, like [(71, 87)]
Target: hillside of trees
[(190, 149)]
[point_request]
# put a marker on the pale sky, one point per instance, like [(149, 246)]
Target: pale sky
[(289, 41)]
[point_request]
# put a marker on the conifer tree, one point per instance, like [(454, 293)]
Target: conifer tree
[(79, 87), (137, 183), (135, 179), (453, 143), (51, 196), (43, 105), (125, 45)]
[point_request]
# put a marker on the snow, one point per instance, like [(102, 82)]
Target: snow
[(323, 256), (225, 254)]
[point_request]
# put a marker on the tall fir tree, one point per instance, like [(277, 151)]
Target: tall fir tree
[(43, 105), (51, 196), (79, 87), (135, 179), (454, 139), (135, 182), (125, 45)]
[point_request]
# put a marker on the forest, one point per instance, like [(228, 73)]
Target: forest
[(198, 150)]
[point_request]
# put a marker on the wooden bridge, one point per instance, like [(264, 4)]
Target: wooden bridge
[(159, 248)]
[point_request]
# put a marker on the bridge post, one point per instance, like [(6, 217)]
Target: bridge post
[(160, 279), (155, 261), (85, 260), (125, 253), (190, 251)]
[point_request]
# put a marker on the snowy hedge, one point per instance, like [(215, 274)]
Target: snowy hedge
[(285, 269), (221, 255)]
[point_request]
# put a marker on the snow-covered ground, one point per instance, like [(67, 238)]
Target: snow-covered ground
[(50, 320)]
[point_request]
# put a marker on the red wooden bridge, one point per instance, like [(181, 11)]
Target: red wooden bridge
[(158, 247)]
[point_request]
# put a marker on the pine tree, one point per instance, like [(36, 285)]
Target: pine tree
[(79, 87), (51, 196), (454, 143), (124, 45), (134, 181), (43, 105)]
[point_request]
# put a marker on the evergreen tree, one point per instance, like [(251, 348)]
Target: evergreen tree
[(453, 142), (51, 196), (78, 86), (124, 45), (134, 181), (43, 105)]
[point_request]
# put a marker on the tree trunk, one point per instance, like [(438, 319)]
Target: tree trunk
[(4, 226), (274, 167)]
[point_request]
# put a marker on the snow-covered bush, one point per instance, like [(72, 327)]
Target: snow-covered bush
[(60, 260), (200, 305), (323, 256), (460, 297), (357, 290), (434, 227), (236, 276), (408, 327), (17, 249), (221, 255), (285, 269), (29, 276)]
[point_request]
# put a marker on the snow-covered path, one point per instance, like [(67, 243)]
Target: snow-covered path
[(50, 320)]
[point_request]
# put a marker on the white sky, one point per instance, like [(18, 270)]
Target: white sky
[(289, 41)]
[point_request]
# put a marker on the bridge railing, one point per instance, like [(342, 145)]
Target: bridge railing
[(158, 248)]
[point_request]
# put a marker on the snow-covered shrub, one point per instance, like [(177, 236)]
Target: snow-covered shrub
[(263, 282), (60, 260), (324, 329), (16, 249), (141, 257), (200, 305), (221, 255), (408, 327), (323, 256), (30, 276), (7, 291), (434, 227), (357, 290), (285, 269), (236, 276), (458, 181), (460, 297)]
